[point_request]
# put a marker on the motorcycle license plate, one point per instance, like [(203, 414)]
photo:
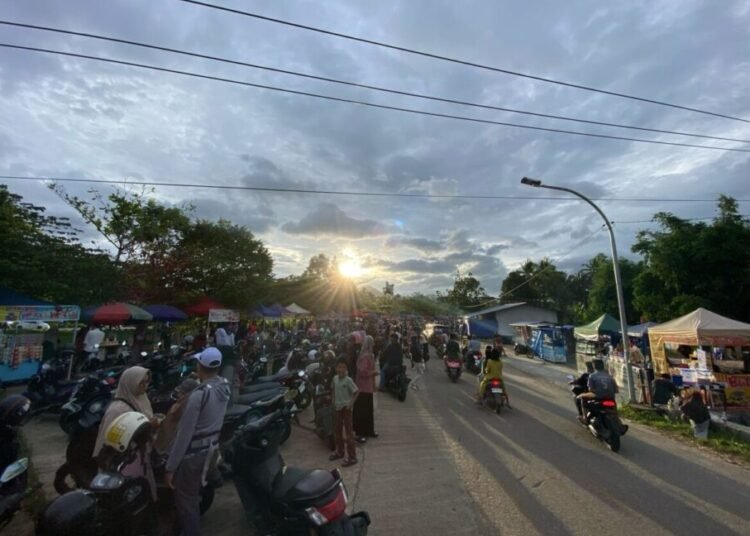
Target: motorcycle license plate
[(497, 391)]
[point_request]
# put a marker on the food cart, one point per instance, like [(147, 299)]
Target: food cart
[(22, 337), (707, 350)]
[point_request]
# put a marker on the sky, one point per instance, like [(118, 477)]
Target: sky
[(76, 118)]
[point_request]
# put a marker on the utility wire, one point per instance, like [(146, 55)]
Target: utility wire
[(458, 61), (348, 192), (363, 103), (360, 85)]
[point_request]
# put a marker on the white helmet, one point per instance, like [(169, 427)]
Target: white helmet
[(128, 431), (312, 355)]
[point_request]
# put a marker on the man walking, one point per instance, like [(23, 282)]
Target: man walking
[(197, 440), (224, 339)]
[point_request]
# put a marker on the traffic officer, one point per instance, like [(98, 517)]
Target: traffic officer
[(197, 440)]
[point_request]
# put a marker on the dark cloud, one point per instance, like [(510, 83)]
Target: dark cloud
[(329, 220), (68, 117)]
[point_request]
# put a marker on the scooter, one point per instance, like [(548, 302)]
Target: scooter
[(287, 500), (92, 394), (601, 418), (453, 369), (494, 395), (13, 471), (48, 389), (300, 388), (473, 361)]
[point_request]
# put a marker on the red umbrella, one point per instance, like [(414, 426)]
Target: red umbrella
[(115, 313), (202, 306)]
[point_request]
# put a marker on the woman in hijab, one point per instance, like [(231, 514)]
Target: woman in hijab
[(363, 416), (131, 396)]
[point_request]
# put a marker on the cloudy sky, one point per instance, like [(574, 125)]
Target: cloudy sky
[(67, 117)]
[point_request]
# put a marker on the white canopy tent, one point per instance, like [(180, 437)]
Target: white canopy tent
[(297, 309)]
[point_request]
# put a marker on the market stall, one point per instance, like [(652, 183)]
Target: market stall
[(592, 339), (23, 333), (706, 349), (546, 340)]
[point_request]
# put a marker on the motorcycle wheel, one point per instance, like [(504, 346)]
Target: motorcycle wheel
[(68, 422), (303, 400), (207, 497), (498, 405), (614, 435), (286, 427), (402, 389)]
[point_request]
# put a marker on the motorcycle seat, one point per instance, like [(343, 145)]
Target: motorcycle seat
[(259, 387), (269, 395), (278, 377), (297, 484)]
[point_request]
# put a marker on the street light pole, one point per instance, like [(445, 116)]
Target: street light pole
[(618, 279)]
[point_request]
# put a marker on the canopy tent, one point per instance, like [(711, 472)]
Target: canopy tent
[(11, 297), (117, 313), (604, 325), (280, 310), (202, 306), (640, 330), (165, 313), (297, 310), (702, 327)]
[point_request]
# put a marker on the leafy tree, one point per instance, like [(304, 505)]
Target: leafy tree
[(690, 264), (467, 291), (43, 256), (388, 289), (319, 267), (220, 260), (602, 296)]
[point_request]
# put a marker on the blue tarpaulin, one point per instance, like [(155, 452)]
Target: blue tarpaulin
[(483, 329), (11, 297)]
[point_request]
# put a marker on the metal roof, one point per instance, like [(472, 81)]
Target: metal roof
[(497, 308)]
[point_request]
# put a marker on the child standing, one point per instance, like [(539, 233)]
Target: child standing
[(345, 392)]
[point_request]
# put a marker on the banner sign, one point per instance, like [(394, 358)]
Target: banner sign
[(223, 315), (42, 313), (736, 388)]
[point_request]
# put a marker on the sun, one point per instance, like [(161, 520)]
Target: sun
[(350, 269)]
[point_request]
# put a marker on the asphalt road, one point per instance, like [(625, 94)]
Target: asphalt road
[(445, 465)]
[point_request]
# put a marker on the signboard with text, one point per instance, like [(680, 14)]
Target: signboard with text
[(42, 313), (223, 315)]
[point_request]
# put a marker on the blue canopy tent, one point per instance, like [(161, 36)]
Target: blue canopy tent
[(483, 328), (165, 313), (11, 297)]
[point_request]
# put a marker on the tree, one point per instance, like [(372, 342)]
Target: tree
[(319, 267), (689, 264), (43, 256), (220, 260), (467, 291), (602, 296), (388, 289), (541, 284)]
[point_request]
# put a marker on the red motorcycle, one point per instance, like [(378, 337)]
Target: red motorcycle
[(453, 368)]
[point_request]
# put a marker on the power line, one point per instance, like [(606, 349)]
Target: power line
[(361, 85), (363, 103), (347, 192), (458, 61)]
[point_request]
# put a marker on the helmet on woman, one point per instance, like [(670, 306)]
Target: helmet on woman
[(128, 432), (14, 410)]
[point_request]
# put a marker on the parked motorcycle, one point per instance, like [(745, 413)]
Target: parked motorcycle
[(49, 389), (300, 388), (602, 419), (91, 394), (453, 369), (494, 395), (14, 411), (287, 500)]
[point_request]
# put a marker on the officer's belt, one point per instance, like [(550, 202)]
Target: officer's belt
[(201, 443)]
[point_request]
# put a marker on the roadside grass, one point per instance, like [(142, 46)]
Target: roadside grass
[(35, 501), (719, 440)]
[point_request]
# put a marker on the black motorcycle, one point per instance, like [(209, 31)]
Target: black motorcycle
[(49, 389), (398, 383), (601, 418), (300, 388), (13, 470), (91, 394), (287, 500), (473, 361)]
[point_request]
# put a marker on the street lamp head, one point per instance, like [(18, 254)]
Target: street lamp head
[(531, 182)]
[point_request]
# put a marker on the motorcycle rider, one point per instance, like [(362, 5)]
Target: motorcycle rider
[(391, 360), (197, 440), (600, 386), (581, 385), (492, 369)]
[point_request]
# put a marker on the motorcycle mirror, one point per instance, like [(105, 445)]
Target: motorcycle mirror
[(15, 469)]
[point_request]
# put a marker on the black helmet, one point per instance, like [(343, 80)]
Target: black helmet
[(14, 409), (72, 514)]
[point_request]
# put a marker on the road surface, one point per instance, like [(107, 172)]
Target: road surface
[(444, 465)]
